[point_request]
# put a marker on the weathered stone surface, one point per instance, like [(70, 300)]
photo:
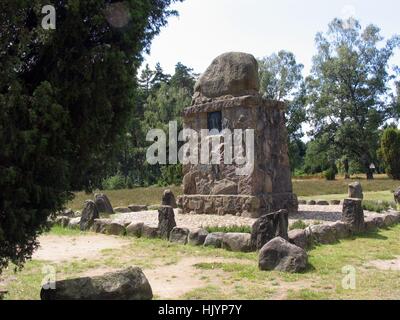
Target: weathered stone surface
[(74, 223), (150, 232), (166, 221), (129, 284), (280, 255), (298, 238), (323, 234), (225, 187), (103, 204), (135, 229), (269, 226), (390, 219), (100, 225), (122, 210), (168, 199), (322, 203), (370, 224), (137, 208), (335, 202), (302, 202), (353, 214), (197, 237), (397, 195), (179, 235), (214, 240), (232, 73), (237, 242), (89, 214), (62, 221), (355, 191), (311, 202), (342, 230), (115, 229)]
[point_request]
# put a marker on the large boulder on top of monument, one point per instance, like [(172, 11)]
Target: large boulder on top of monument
[(268, 227), (103, 204), (280, 255), (232, 73), (89, 214), (356, 191), (168, 199), (129, 284), (225, 187), (166, 221)]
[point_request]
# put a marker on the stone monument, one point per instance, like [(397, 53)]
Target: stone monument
[(227, 97)]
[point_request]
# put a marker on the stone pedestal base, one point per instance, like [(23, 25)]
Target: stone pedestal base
[(239, 205)]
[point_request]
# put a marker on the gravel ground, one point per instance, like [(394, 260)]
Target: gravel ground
[(309, 214)]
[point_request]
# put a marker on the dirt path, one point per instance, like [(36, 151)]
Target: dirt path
[(63, 248)]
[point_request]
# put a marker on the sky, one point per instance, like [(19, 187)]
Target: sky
[(208, 28)]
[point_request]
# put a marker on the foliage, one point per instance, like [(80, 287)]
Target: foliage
[(390, 152), (59, 113), (378, 206), (349, 90), (229, 229), (299, 224), (330, 174)]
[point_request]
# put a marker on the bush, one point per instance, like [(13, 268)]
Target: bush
[(390, 152), (228, 229), (378, 206), (116, 182), (330, 174), (299, 224)]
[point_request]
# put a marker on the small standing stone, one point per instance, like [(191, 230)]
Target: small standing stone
[(103, 204), (355, 191), (353, 214), (168, 199), (166, 221), (298, 237), (198, 237), (268, 227), (214, 240), (89, 214)]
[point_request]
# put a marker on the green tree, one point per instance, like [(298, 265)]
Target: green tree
[(281, 79), (65, 97), (390, 152), (349, 88)]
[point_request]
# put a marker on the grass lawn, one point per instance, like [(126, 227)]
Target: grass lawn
[(379, 189), (236, 275)]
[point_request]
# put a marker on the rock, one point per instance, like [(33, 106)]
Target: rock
[(103, 204), (115, 229), (62, 221), (168, 199), (232, 73), (214, 240), (322, 203), (68, 213), (74, 223), (150, 232), (302, 202), (89, 214), (268, 227), (225, 187), (197, 237), (397, 195), (370, 224), (122, 210), (280, 255), (389, 219), (129, 284), (353, 214), (137, 208), (298, 238), (342, 230), (323, 234), (179, 235), (166, 221), (135, 229), (100, 225), (237, 242), (335, 202), (311, 202), (355, 191)]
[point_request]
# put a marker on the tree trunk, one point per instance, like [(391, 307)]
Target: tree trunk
[(346, 169)]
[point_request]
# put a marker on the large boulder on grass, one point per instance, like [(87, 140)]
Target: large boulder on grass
[(298, 237), (280, 255), (103, 204), (179, 235), (214, 239), (89, 214), (237, 242), (129, 284), (197, 237)]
